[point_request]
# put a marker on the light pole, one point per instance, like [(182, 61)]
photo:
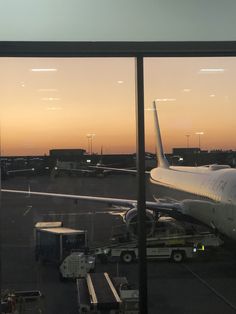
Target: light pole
[(90, 142), (92, 136), (88, 137), (199, 138), (187, 136)]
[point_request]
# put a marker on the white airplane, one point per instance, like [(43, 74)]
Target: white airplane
[(206, 194), (5, 173)]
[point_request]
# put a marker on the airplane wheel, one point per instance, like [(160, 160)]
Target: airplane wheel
[(177, 256), (127, 257)]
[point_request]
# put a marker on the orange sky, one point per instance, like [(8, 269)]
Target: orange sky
[(44, 110)]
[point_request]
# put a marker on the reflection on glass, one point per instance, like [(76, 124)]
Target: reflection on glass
[(61, 123), (60, 120), (193, 181)]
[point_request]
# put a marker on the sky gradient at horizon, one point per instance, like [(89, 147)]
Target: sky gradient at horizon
[(57, 109)]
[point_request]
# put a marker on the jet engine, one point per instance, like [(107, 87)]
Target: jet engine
[(131, 220)]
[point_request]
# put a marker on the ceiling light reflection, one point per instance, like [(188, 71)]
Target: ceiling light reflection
[(50, 98), (212, 70), (47, 90), (43, 70), (54, 108), (165, 99)]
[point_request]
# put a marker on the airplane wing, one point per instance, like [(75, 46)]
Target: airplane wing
[(74, 170), (171, 209), (176, 210), (117, 169), (20, 170)]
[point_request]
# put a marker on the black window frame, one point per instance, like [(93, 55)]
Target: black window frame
[(137, 50)]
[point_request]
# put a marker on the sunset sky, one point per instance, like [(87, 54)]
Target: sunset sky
[(42, 110)]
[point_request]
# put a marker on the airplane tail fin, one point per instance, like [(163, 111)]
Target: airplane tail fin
[(161, 158)]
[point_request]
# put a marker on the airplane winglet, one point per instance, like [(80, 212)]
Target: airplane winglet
[(161, 158)]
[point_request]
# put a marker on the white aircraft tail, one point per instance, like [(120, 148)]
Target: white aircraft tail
[(161, 158)]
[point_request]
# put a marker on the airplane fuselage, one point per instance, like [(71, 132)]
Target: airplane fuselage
[(208, 194)]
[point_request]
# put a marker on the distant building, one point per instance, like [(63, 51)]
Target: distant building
[(185, 150), (74, 156), (70, 154), (197, 157)]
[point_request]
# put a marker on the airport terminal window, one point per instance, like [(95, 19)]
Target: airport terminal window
[(63, 121), (195, 101)]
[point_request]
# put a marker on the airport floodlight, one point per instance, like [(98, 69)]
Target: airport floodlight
[(187, 136), (199, 138), (199, 133), (90, 137)]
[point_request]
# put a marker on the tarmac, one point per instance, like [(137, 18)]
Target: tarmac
[(205, 284)]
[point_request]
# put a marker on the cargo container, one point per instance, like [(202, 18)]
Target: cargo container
[(54, 242)]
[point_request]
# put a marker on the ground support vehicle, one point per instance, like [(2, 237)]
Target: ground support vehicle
[(77, 265), (100, 293), (175, 253), (175, 247), (53, 242), (20, 302)]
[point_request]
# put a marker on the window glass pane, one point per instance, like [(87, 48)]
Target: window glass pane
[(195, 188), (59, 117)]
